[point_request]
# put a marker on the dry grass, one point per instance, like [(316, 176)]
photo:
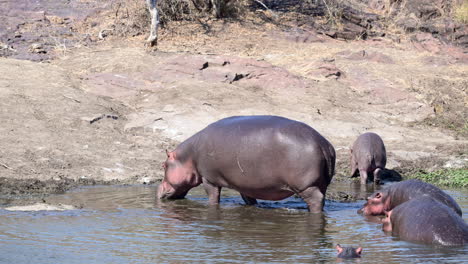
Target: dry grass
[(131, 17), (177, 10), (461, 12)]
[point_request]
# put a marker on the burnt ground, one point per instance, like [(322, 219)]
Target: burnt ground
[(83, 101)]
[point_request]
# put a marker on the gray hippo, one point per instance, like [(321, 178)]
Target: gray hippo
[(398, 193), (368, 155), (262, 157), (425, 220), (348, 252)]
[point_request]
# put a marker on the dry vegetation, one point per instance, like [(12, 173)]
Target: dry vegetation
[(461, 12)]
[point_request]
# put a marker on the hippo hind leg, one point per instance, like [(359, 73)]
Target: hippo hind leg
[(377, 175), (314, 198), (249, 200)]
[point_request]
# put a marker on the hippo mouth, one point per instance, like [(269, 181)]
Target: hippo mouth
[(166, 195), (172, 195), (361, 210)]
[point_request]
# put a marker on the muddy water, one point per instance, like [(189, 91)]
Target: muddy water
[(127, 225)]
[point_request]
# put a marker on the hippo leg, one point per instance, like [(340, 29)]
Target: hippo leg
[(363, 174), (377, 173), (314, 199), (248, 200), (213, 192)]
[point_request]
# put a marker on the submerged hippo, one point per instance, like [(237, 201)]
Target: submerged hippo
[(368, 155), (398, 193), (348, 252), (425, 220), (262, 157)]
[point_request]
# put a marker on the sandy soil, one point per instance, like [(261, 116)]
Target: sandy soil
[(106, 111)]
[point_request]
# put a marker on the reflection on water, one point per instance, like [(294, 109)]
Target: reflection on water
[(127, 225)]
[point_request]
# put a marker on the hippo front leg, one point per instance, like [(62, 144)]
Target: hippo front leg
[(249, 200), (213, 192), (314, 199)]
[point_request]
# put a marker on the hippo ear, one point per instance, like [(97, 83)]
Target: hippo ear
[(339, 248), (359, 250), (388, 214), (171, 155)]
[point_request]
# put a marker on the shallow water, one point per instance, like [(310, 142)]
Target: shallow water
[(126, 224)]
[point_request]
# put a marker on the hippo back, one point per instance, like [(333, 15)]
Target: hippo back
[(369, 150), (411, 189), (425, 220), (268, 144)]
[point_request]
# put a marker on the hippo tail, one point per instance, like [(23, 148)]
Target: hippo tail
[(330, 157)]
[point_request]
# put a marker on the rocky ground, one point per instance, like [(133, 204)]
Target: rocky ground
[(83, 101)]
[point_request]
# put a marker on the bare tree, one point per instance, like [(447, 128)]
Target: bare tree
[(153, 37), (217, 7)]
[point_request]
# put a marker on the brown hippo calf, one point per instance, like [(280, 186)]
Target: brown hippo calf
[(262, 157), (425, 220), (368, 155), (398, 193)]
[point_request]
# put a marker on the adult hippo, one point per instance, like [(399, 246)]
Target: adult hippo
[(262, 157), (368, 155), (425, 220), (398, 193)]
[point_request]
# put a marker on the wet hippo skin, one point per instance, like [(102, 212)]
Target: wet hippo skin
[(425, 220), (398, 193), (368, 155), (262, 157)]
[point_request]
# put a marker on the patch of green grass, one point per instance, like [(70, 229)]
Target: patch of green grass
[(443, 177)]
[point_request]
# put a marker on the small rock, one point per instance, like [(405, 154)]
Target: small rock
[(56, 19), (41, 207), (146, 180), (327, 70), (37, 48), (104, 33), (168, 109)]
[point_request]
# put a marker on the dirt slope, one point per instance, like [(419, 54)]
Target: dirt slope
[(108, 111)]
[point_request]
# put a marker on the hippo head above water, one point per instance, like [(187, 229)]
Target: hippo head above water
[(180, 176), (398, 193), (376, 204), (348, 252)]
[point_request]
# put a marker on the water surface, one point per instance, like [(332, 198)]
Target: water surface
[(125, 224)]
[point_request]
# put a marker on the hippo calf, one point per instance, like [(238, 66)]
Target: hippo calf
[(425, 220), (262, 157), (348, 252), (368, 155), (398, 193)]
